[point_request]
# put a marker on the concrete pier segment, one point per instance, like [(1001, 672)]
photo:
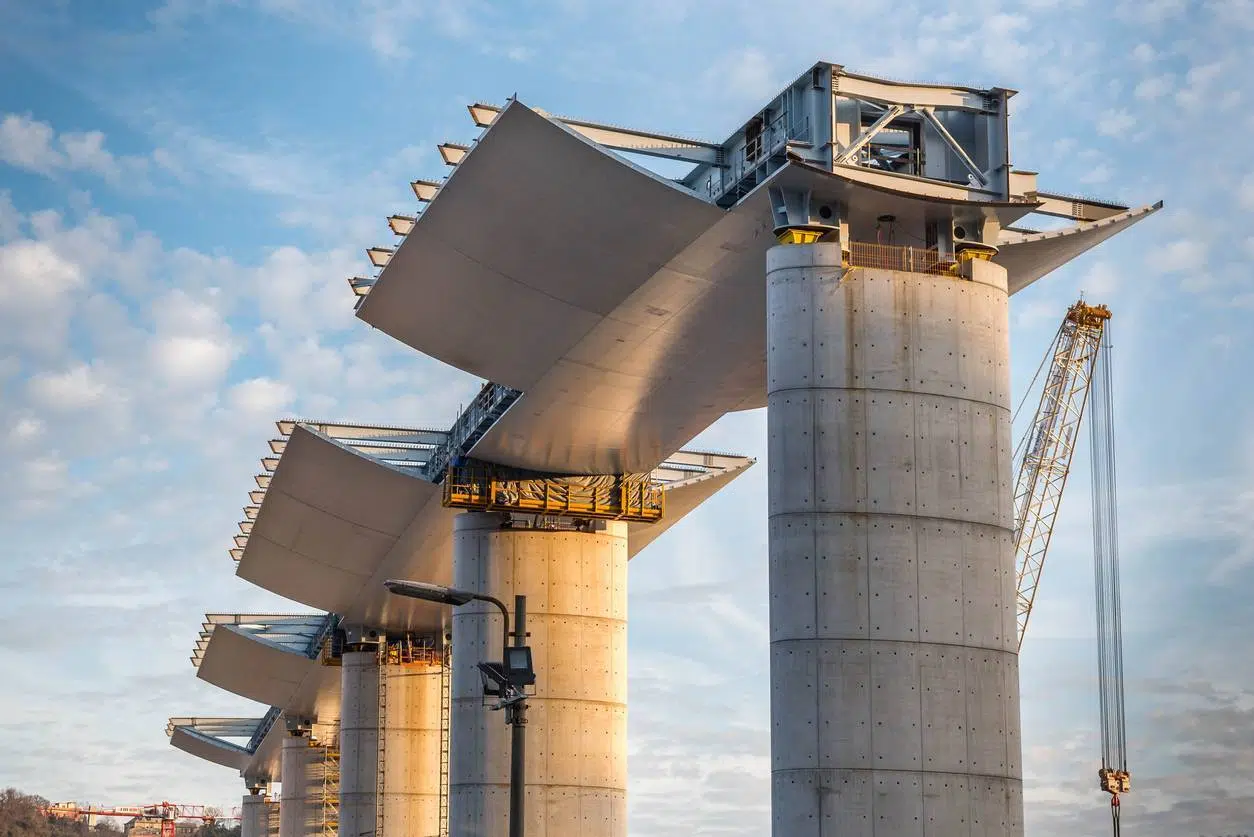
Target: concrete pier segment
[(258, 815), (301, 780), (576, 760), (411, 747), (894, 702)]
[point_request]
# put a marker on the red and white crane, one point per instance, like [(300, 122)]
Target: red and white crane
[(168, 813)]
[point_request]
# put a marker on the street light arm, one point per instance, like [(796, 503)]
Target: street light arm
[(483, 597)]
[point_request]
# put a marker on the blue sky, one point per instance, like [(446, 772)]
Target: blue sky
[(184, 186)]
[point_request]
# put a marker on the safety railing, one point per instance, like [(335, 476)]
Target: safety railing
[(314, 648), (263, 728), (893, 257), (490, 404)]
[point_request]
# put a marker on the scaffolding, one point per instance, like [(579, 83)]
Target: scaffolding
[(330, 782), (482, 486)]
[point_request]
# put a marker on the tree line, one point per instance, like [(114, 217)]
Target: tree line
[(23, 815)]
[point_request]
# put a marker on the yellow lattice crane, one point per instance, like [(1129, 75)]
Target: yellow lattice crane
[(1044, 454), (1079, 372)]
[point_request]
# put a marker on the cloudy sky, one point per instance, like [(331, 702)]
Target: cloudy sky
[(185, 185)]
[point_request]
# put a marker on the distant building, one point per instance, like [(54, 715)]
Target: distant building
[(151, 827)]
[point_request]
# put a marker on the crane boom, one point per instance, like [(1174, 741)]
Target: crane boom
[(1044, 456)]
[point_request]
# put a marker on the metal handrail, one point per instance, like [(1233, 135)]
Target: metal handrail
[(490, 399), (263, 728)]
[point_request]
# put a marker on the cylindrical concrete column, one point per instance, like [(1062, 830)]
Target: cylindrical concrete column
[(359, 742), (254, 816), (894, 672), (576, 755), (411, 749), (300, 801), (411, 746)]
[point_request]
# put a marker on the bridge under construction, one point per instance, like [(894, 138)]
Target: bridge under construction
[(844, 260)]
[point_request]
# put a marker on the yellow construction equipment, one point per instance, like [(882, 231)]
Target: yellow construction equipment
[(1080, 370), (482, 486)]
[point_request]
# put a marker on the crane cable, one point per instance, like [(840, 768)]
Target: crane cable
[(1106, 585)]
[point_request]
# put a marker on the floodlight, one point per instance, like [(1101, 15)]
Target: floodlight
[(429, 592), (518, 667), (452, 153)]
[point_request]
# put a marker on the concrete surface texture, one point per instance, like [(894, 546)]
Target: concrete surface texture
[(576, 760), (301, 778), (895, 691), (254, 816), (411, 747)]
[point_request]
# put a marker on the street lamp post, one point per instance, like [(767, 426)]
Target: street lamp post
[(511, 676)]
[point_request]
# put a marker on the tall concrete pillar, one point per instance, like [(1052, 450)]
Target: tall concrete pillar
[(359, 742), (894, 671), (254, 820), (576, 759), (300, 802), (411, 751)]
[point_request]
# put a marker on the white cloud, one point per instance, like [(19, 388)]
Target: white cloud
[(34, 276), (260, 398), (1184, 254), (1153, 89), (1101, 280), (28, 144), (1115, 123), (25, 429), (1149, 12), (71, 390), (35, 146), (191, 362)]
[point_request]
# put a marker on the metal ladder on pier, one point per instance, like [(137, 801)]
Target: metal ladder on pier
[(381, 726), (446, 709)]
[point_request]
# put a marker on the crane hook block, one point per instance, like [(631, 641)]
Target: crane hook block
[(1114, 782)]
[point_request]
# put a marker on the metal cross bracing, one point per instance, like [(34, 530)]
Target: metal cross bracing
[(1045, 452)]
